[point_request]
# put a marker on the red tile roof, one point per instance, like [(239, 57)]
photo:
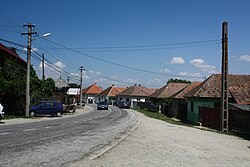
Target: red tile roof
[(191, 86), (238, 86), (169, 90), (10, 52), (111, 91), (92, 89), (137, 90)]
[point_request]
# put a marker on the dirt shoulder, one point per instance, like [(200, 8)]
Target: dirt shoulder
[(157, 143)]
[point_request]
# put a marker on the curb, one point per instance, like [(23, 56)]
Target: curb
[(116, 142)]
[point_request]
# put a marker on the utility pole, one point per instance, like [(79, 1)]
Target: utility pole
[(68, 80), (29, 33), (81, 68), (224, 80), (43, 66)]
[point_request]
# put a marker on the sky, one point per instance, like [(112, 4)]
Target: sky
[(127, 42)]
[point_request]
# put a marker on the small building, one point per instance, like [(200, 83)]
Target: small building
[(73, 95), (90, 93), (208, 94), (12, 63), (61, 90), (109, 94), (165, 95), (134, 94)]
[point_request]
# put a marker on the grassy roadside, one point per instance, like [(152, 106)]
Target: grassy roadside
[(162, 117), (175, 121)]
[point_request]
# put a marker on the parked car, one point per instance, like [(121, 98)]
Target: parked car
[(102, 105), (123, 104), (1, 112), (53, 108)]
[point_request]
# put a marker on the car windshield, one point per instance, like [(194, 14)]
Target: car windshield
[(102, 102)]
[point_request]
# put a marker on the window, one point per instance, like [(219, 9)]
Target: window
[(192, 106)]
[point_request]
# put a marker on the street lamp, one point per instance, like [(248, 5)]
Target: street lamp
[(29, 33)]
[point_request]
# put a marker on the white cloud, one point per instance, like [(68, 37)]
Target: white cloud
[(177, 60), (245, 58), (186, 74), (60, 64), (130, 80), (165, 70), (199, 63)]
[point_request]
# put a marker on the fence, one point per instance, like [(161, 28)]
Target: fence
[(238, 119)]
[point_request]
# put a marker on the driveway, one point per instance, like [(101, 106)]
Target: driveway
[(157, 143)]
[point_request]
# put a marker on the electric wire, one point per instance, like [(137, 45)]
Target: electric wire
[(120, 65)]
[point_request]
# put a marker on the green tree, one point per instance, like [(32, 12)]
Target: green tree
[(172, 80)]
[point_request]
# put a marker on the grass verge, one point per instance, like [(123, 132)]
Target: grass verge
[(162, 117), (156, 115)]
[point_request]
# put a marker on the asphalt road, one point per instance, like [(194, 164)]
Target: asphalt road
[(58, 142)]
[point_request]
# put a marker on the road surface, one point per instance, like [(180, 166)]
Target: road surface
[(58, 142)]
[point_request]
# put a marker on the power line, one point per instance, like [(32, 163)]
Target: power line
[(146, 46), (120, 65)]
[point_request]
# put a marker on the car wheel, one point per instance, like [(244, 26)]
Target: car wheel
[(58, 114), (32, 114)]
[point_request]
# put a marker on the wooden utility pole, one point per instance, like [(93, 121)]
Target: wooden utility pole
[(43, 66), (81, 68), (29, 33), (224, 80)]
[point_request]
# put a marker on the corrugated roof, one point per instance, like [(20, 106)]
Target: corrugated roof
[(238, 86), (111, 91), (136, 90), (169, 90), (92, 89)]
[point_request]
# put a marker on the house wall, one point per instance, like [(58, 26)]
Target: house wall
[(133, 100), (194, 105), (89, 98)]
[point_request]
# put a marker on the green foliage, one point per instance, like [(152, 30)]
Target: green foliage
[(73, 85), (172, 80), (13, 85), (159, 116)]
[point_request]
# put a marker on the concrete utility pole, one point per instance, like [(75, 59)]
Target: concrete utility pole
[(29, 33), (81, 68), (224, 80), (43, 66)]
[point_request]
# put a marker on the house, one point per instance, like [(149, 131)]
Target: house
[(164, 96), (208, 94), (73, 95), (109, 94), (134, 94), (89, 93), (12, 68), (62, 87)]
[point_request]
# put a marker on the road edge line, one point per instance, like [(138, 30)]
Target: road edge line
[(115, 143)]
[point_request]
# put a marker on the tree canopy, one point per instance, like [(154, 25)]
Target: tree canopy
[(172, 80)]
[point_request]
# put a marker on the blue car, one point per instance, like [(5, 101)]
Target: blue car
[(52, 108), (102, 105)]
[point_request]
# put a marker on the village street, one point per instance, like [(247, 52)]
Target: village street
[(157, 143), (57, 141)]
